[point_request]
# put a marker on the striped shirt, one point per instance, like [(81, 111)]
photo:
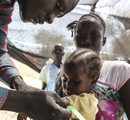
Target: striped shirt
[(6, 9), (7, 69), (3, 95)]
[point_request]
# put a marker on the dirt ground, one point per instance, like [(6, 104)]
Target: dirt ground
[(30, 77)]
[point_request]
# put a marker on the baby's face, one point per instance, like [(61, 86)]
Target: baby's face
[(78, 82)]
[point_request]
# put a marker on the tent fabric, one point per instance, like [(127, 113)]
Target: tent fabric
[(24, 46), (36, 62)]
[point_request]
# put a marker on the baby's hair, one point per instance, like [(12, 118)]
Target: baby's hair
[(72, 26), (86, 59)]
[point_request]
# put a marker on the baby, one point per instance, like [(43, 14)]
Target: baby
[(81, 72)]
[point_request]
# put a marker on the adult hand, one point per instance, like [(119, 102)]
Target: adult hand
[(55, 107), (37, 105), (52, 108)]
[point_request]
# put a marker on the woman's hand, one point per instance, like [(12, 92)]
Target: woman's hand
[(38, 105)]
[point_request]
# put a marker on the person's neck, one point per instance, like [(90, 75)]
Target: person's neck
[(57, 63)]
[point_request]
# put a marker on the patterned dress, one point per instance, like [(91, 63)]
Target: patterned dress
[(109, 105), (113, 75)]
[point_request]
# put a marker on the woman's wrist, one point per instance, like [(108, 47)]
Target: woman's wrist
[(15, 101), (19, 101), (17, 82)]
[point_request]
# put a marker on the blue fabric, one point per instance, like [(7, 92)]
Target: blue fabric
[(52, 76)]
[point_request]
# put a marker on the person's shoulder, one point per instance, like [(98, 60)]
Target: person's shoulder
[(49, 62), (116, 64), (46, 66)]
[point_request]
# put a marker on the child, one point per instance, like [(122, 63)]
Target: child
[(81, 71), (50, 71)]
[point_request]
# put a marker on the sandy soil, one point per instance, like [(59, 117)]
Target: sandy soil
[(30, 77)]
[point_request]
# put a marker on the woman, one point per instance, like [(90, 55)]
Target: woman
[(114, 81)]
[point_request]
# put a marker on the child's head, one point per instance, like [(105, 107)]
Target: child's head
[(82, 68), (89, 32), (58, 51)]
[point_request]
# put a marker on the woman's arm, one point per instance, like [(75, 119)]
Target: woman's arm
[(38, 105), (19, 84), (16, 101), (125, 97)]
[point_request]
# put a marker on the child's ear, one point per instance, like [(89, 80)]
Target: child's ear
[(104, 41), (94, 80)]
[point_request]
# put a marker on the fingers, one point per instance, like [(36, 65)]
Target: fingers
[(59, 113), (59, 103), (64, 113), (62, 102), (55, 97)]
